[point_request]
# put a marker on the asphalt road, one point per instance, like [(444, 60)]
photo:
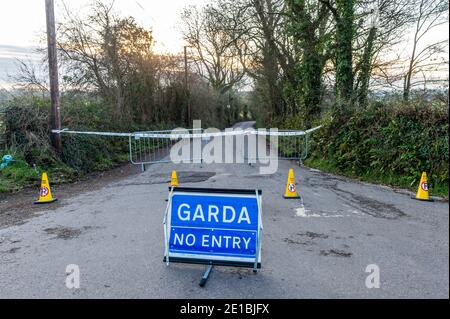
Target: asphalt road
[(315, 248)]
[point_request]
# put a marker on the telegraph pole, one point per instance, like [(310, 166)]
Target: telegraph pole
[(55, 118), (186, 86)]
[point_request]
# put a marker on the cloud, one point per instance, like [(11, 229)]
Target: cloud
[(9, 54)]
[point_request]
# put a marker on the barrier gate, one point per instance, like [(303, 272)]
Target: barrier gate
[(153, 147), (250, 145)]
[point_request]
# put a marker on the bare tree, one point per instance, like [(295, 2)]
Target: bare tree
[(215, 56), (429, 15), (29, 76), (381, 26), (105, 52), (257, 32)]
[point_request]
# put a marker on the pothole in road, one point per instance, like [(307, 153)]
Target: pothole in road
[(313, 239), (14, 250), (239, 272), (313, 235), (370, 206), (361, 203), (335, 253), (11, 251), (63, 232), (183, 177), (66, 233), (194, 177), (298, 242)]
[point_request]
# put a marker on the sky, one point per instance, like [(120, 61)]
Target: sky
[(27, 19), (22, 26)]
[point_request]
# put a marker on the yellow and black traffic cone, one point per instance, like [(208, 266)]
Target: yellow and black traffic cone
[(422, 192), (174, 179), (291, 188), (45, 193)]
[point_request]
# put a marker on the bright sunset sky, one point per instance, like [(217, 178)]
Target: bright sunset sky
[(22, 25), (22, 21)]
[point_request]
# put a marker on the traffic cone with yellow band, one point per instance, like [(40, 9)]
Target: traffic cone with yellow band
[(174, 179), (422, 192), (291, 188), (45, 193)]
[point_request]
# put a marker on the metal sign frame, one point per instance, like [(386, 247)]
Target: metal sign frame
[(211, 260)]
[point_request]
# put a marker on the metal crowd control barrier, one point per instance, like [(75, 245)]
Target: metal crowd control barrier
[(251, 145), (152, 147), (289, 145)]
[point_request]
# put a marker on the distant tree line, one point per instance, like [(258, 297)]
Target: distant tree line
[(109, 56), (297, 57)]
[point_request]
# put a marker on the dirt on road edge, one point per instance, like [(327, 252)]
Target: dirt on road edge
[(17, 208)]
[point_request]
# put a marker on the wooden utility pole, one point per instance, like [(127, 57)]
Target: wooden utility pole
[(186, 86), (53, 73)]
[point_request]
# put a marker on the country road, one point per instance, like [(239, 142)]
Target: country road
[(315, 248)]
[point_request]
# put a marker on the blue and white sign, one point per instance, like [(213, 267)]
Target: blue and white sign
[(214, 226)]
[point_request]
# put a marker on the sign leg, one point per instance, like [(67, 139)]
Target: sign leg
[(206, 276)]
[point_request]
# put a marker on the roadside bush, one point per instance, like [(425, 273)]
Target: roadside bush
[(28, 140), (27, 121), (28, 133), (90, 153), (27, 129), (391, 143)]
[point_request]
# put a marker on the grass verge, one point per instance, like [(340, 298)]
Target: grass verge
[(20, 175), (440, 190)]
